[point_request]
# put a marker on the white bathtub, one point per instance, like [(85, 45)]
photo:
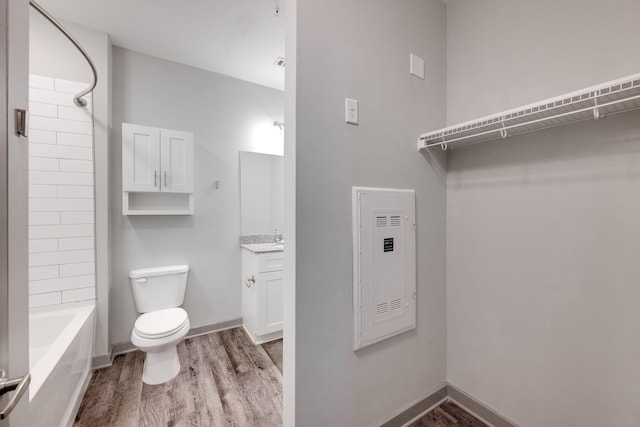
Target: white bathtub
[(60, 349)]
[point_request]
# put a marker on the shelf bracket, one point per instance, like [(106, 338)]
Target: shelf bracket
[(444, 145), (596, 110), (503, 131)]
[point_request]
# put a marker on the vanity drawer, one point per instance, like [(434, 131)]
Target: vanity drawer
[(271, 261)]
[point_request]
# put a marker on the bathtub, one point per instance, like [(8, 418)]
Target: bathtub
[(60, 350)]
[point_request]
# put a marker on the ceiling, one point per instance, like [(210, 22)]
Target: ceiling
[(238, 38)]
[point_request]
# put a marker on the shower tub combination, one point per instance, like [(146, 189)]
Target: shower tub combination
[(60, 337), (60, 351)]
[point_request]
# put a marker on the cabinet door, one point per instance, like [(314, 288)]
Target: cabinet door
[(140, 158), (270, 302), (177, 161)]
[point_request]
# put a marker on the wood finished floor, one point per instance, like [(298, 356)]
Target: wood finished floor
[(448, 414), (224, 380)]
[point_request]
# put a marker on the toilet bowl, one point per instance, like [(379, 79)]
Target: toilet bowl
[(158, 333), (158, 292)]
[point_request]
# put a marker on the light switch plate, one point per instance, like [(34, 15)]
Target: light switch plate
[(351, 111), (416, 66)]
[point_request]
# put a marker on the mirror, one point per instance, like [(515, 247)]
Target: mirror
[(261, 193)]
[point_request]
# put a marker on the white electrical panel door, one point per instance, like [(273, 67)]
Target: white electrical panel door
[(384, 233), (140, 158), (177, 161)]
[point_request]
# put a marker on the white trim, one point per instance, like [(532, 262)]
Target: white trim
[(417, 401), (504, 421), (289, 294), (470, 411), (261, 339), (447, 389), (422, 414)]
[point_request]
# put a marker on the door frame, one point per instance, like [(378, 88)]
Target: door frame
[(14, 293)]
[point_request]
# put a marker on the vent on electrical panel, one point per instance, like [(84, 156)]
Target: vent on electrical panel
[(395, 220), (381, 308), (381, 221), (279, 61), (395, 304)]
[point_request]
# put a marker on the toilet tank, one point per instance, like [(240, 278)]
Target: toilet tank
[(158, 288)]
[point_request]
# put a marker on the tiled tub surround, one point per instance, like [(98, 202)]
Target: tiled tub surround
[(61, 199)]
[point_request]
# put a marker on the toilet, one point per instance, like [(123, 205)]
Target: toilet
[(158, 293)]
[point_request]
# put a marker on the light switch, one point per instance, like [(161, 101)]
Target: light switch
[(351, 111), (416, 66)]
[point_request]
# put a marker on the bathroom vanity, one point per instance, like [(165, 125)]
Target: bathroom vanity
[(262, 287)]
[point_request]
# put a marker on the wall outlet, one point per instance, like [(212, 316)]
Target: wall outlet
[(351, 111)]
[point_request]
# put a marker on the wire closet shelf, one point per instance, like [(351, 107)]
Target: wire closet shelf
[(595, 102)]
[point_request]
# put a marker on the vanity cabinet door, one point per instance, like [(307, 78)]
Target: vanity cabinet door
[(270, 286), (140, 158)]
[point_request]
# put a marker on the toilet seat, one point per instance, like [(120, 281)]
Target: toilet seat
[(161, 323)]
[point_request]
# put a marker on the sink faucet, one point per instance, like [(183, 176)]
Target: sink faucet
[(279, 239)]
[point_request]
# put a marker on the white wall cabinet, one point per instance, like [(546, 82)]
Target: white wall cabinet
[(262, 293), (157, 171)]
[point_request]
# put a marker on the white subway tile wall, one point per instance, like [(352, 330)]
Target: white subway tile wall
[(61, 204)]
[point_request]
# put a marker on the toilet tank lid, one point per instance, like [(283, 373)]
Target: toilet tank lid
[(158, 271)]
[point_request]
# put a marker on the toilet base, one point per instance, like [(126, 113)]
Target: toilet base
[(161, 366)]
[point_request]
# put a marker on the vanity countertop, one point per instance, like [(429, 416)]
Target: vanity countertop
[(259, 248)]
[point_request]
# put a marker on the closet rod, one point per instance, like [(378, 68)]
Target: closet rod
[(78, 99)]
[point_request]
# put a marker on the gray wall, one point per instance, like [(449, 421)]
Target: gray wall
[(226, 115), (503, 54), (52, 55), (365, 55), (542, 229)]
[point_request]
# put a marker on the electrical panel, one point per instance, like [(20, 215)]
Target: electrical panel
[(384, 267)]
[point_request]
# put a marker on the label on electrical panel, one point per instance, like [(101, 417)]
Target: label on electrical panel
[(388, 244)]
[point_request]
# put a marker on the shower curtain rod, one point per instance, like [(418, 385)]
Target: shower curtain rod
[(78, 100)]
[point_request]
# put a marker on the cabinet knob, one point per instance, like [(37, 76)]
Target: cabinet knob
[(250, 280)]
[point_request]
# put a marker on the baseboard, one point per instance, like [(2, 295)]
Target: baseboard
[(102, 360), (477, 408), (444, 393), (217, 327), (261, 339), (418, 408), (122, 348), (126, 347)]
